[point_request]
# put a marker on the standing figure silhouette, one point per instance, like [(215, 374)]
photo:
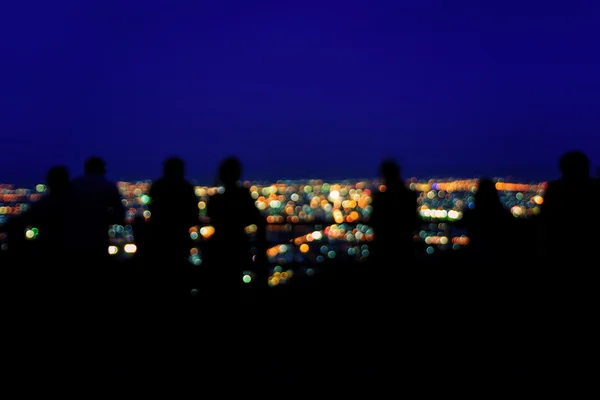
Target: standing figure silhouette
[(37, 277), (394, 219), (90, 286), (95, 204), (230, 213), (488, 226), (561, 223), (47, 215), (173, 211), (570, 272)]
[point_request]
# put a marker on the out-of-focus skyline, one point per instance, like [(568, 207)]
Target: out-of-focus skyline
[(298, 90)]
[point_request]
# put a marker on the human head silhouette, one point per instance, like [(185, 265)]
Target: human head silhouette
[(174, 167), (230, 171), (57, 177), (390, 171), (95, 166), (486, 192), (574, 165)]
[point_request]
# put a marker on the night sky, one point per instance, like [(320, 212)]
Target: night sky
[(298, 88)]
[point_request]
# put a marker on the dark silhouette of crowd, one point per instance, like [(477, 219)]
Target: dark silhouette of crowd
[(509, 310)]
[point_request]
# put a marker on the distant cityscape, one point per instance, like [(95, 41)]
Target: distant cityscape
[(311, 221)]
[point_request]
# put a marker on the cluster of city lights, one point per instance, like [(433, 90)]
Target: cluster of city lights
[(341, 212)]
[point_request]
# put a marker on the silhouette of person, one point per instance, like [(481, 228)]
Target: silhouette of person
[(51, 211), (488, 225), (571, 271), (95, 204), (31, 259), (87, 287), (47, 216), (35, 263), (230, 213), (173, 211), (394, 219), (561, 223)]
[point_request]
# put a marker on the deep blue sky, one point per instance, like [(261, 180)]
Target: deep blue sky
[(298, 89)]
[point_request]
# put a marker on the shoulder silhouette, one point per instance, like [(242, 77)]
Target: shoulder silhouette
[(230, 212), (394, 218), (95, 203), (51, 211), (561, 218), (488, 223), (173, 210), (46, 216)]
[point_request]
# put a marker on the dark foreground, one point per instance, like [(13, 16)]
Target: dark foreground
[(436, 327)]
